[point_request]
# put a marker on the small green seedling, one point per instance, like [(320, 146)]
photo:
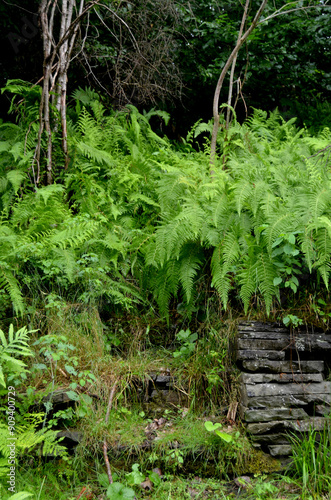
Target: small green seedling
[(188, 341), (210, 427)]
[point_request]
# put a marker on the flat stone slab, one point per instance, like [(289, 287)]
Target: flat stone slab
[(275, 414), (306, 342), (247, 326), (260, 354), (263, 344), (279, 450), (284, 366), (273, 389), (57, 397), (317, 423), (268, 439), (286, 400), (75, 436), (323, 410), (281, 378)]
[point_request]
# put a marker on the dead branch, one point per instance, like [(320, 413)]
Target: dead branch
[(233, 54), (110, 402), (243, 21)]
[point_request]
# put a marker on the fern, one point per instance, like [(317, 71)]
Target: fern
[(16, 345), (27, 438), (9, 283)]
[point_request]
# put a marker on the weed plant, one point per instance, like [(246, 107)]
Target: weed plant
[(311, 465)]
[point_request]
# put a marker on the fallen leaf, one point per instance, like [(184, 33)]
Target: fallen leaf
[(158, 471), (193, 493), (147, 484)]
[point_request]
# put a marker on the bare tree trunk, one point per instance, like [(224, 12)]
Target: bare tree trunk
[(233, 54), (65, 52), (57, 57), (228, 111)]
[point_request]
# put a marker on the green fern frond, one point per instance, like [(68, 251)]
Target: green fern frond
[(94, 154), (248, 282), (220, 280), (266, 272), (190, 261), (12, 287)]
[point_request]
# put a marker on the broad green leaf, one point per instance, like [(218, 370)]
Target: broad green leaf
[(210, 427), (223, 435)]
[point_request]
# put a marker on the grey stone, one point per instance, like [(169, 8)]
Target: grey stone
[(162, 379), (273, 389), (317, 423), (72, 435), (286, 400), (263, 428), (275, 414), (282, 378), (284, 366), (263, 344), (57, 397), (259, 326), (322, 410), (260, 354), (277, 450), (278, 438)]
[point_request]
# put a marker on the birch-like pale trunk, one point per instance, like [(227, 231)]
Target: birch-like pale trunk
[(243, 20), (57, 57), (228, 63)]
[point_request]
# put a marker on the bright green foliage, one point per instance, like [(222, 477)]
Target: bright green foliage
[(22, 495), (225, 436), (134, 215), (266, 218), (27, 437), (188, 341), (311, 461), (15, 345), (117, 491)]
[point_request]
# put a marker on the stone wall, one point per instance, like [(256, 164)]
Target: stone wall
[(283, 386)]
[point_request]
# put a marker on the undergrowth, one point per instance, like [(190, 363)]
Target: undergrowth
[(139, 261)]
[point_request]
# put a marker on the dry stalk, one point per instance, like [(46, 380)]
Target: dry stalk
[(110, 402)]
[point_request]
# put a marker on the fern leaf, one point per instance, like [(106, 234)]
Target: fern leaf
[(12, 287), (190, 262)]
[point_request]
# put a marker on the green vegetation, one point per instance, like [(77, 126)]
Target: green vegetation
[(136, 263)]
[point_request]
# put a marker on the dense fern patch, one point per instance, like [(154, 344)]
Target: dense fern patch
[(136, 218)]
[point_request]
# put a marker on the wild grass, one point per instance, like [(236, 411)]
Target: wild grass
[(311, 465)]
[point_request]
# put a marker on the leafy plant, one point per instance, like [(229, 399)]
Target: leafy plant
[(28, 437), (57, 350), (188, 341), (210, 427), (17, 345), (265, 489), (22, 495), (117, 491), (292, 320)]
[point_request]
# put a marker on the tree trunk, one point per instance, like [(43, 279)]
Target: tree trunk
[(232, 56), (57, 58), (228, 111)]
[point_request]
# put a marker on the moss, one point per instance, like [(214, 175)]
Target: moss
[(258, 462)]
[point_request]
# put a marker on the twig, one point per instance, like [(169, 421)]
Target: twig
[(227, 65), (319, 152), (81, 493), (110, 402), (243, 20)]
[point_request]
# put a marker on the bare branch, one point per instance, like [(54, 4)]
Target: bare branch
[(282, 11), (235, 51), (234, 63)]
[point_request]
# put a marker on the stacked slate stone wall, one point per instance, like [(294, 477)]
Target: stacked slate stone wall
[(283, 386)]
